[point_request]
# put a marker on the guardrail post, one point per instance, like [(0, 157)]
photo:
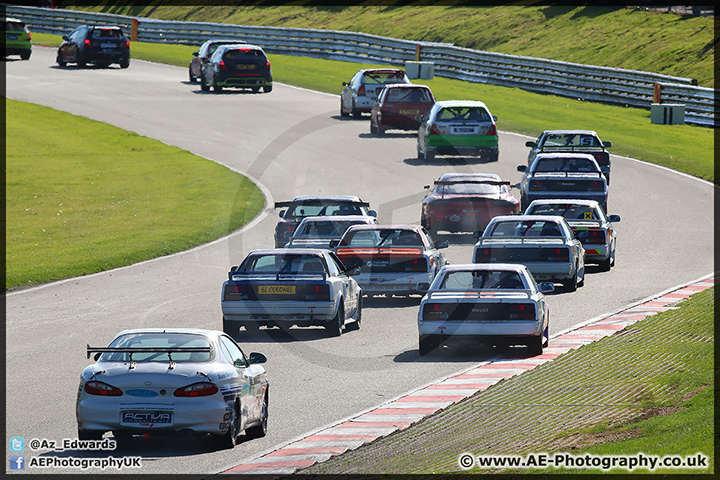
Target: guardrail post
[(657, 93), (417, 52), (134, 30)]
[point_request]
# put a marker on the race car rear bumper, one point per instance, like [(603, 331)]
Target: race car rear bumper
[(390, 283), (287, 311), (481, 329)]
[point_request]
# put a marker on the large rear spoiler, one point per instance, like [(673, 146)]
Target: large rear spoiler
[(490, 293), (486, 182), (131, 350)]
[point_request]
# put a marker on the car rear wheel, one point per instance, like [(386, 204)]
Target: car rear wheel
[(571, 284), (203, 86), (355, 112), (89, 434), (535, 346), (343, 113), (428, 343), (60, 60), (125, 64), (336, 324), (217, 88), (267, 88), (358, 316), (25, 56), (229, 440), (605, 264), (260, 430)]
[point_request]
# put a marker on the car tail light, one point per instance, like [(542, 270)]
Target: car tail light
[(87, 42), (597, 186), (493, 130), (521, 311), (482, 255), (437, 311), (236, 292), (29, 36), (556, 254), (434, 129), (595, 236), (222, 65), (386, 111), (317, 292), (127, 44), (361, 91), (267, 66), (100, 388), (416, 265), (535, 185), (200, 389)]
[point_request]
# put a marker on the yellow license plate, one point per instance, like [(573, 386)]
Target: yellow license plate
[(410, 112), (276, 289), (242, 66)]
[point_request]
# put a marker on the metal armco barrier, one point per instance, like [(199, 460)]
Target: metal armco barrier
[(617, 86)]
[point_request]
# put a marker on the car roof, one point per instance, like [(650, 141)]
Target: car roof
[(225, 40), (580, 132), (335, 218), (552, 201), (460, 103), (407, 85), (344, 198), (196, 331), (469, 176), (511, 267), (382, 70), (289, 251), (565, 155), (523, 218), (105, 27), (386, 227), (239, 45)]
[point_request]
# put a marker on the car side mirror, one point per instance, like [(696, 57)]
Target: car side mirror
[(344, 84), (477, 233), (614, 218), (530, 144), (287, 235), (97, 356), (195, 54), (547, 287), (494, 118), (373, 213), (334, 243), (427, 187), (605, 169), (581, 235), (256, 357), (423, 286), (282, 213), (351, 272), (607, 144), (522, 168), (442, 244), (65, 37), (419, 118)]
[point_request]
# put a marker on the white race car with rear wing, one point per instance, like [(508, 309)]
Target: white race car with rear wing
[(294, 286), (161, 381), (495, 303), (589, 223), (543, 243), (393, 259)]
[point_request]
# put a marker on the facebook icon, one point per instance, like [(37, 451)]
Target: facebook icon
[(17, 462)]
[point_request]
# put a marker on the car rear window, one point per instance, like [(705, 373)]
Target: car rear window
[(284, 263), (386, 237), (451, 114), (482, 279), (319, 210), (14, 26), (106, 33), (570, 212), (469, 189), (404, 95), (162, 340), (571, 140), (384, 77), (242, 55), (560, 164), (525, 228)]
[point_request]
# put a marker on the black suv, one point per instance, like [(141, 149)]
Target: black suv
[(100, 46), (237, 66)]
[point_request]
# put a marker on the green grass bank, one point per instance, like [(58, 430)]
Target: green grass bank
[(647, 389), (83, 197)]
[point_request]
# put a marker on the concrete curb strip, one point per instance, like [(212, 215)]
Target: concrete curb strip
[(401, 412)]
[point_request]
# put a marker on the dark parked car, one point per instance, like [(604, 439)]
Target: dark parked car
[(201, 57), (237, 66), (17, 39), (400, 106), (100, 46)]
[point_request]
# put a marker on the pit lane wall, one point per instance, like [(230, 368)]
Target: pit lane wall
[(616, 86)]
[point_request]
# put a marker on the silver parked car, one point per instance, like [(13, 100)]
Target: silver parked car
[(543, 243), (158, 381), (496, 303)]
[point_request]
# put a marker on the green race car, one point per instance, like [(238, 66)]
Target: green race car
[(458, 127), (17, 39)]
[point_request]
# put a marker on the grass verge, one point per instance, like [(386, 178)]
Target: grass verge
[(84, 197), (685, 148), (648, 389)]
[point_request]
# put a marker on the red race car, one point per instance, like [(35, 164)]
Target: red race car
[(466, 202), (400, 106)]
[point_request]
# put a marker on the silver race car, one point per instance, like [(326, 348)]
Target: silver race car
[(157, 381)]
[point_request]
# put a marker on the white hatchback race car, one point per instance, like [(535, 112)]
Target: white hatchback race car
[(160, 381)]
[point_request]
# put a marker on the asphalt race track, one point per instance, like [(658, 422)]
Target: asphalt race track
[(293, 141)]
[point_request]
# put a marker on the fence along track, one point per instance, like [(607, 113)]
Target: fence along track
[(615, 86)]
